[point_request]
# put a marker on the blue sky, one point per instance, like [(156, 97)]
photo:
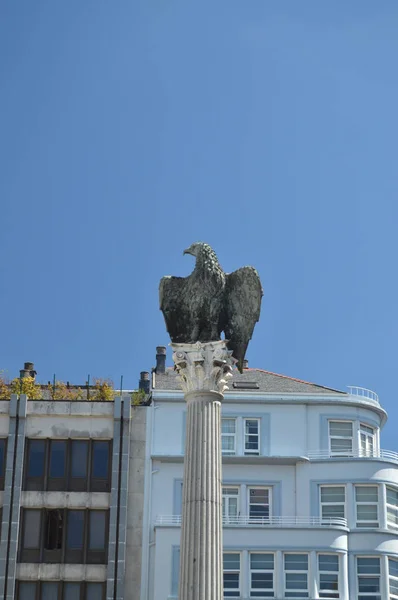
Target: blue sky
[(268, 129)]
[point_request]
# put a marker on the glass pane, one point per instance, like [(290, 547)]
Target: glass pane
[(331, 511), (232, 507), (392, 496), (366, 429), (340, 428), (296, 581), (332, 494), (231, 561), (328, 562), (341, 445), (262, 581), (31, 536), (259, 496), (392, 516), (97, 530), (75, 529), (49, 590), (27, 590), (57, 458), (328, 581), (369, 584), (94, 591), (393, 567), (369, 565), (366, 493), (79, 458), (367, 512), (296, 562), (262, 561), (230, 491), (2, 456), (251, 427), (228, 425), (71, 591), (36, 454), (100, 459)]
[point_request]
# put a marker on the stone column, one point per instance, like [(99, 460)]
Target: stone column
[(203, 371)]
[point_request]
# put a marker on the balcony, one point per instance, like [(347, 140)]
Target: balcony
[(364, 393), (271, 522), (383, 455)]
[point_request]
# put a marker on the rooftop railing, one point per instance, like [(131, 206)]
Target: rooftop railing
[(387, 455), (354, 390), (246, 521)]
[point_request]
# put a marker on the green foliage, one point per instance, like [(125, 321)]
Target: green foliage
[(137, 397), (103, 390), (28, 386), (5, 391), (62, 392)]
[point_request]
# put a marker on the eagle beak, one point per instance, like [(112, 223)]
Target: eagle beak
[(186, 251)]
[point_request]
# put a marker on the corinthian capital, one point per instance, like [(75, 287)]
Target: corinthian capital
[(203, 367)]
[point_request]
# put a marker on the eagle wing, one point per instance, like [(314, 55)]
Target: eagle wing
[(173, 306), (242, 304)]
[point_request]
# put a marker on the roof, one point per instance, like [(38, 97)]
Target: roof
[(256, 380)]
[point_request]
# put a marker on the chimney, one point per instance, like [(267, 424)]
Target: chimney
[(160, 359), (144, 382), (245, 364), (28, 370)]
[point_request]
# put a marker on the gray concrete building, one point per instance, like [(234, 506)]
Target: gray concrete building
[(72, 498)]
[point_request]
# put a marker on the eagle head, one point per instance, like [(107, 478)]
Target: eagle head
[(194, 248)]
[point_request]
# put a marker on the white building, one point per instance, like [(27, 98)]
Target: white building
[(310, 501)]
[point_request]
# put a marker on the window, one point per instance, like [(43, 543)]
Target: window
[(259, 503), (252, 436), (393, 578), (228, 436), (332, 501), (230, 500), (367, 498), (231, 562), (296, 575), (368, 572), (64, 536), (59, 590), (68, 465), (3, 453), (328, 569), (341, 438), (261, 575), (366, 440), (392, 507)]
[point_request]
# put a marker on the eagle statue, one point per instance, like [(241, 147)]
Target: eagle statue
[(198, 308)]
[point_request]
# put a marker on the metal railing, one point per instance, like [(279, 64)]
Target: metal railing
[(247, 521), (354, 390), (387, 455)]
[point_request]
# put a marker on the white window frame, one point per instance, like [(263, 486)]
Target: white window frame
[(392, 507), (322, 504), (392, 578), (250, 452), (263, 488), (262, 592), (330, 594), (226, 496), (238, 589), (343, 453), (229, 435), (294, 593), (365, 595), (360, 523), (367, 439)]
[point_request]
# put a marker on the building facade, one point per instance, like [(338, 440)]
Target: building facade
[(72, 481), (310, 501)]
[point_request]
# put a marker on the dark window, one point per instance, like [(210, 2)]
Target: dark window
[(71, 591), (97, 529), (246, 385), (31, 535), (35, 463), (53, 535), (94, 591), (3, 447), (75, 536), (57, 465), (67, 465), (26, 590), (49, 590), (79, 464)]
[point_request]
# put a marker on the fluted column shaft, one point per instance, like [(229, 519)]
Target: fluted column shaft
[(201, 572), (203, 371)]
